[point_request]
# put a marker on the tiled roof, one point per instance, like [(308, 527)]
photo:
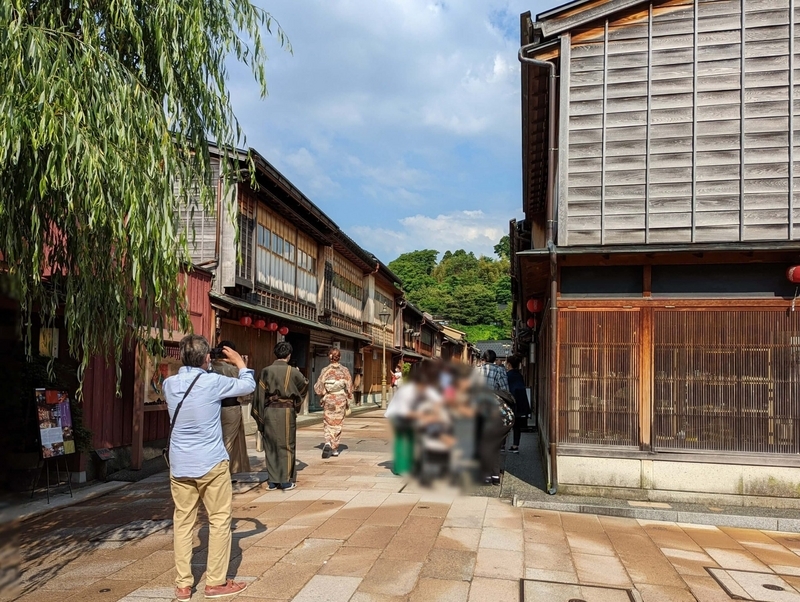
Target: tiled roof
[(502, 348)]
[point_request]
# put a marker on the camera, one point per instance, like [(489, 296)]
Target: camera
[(216, 353)]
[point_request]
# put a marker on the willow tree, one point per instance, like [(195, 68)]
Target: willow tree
[(106, 107)]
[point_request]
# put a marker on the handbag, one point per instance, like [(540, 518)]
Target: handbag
[(505, 401), (347, 409), (165, 451)]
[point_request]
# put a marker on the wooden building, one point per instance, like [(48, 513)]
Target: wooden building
[(295, 270), (455, 347), (422, 335), (382, 293), (659, 175), (127, 424)]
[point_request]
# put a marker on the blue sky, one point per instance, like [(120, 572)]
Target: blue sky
[(399, 118)]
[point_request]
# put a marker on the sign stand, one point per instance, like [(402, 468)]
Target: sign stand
[(46, 464), (56, 437)]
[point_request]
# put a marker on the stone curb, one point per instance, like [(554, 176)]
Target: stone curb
[(764, 523)]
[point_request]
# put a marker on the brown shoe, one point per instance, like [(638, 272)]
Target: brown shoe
[(183, 593), (231, 588)]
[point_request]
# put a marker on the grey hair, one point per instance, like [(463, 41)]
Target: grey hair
[(194, 349)]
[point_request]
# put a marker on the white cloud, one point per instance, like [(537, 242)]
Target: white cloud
[(473, 231), (395, 108), (314, 178)]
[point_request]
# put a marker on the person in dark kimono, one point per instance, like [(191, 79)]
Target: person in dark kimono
[(279, 397)]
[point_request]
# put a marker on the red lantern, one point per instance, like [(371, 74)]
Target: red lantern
[(793, 274), (245, 320), (260, 324), (283, 331), (531, 322), (534, 305), (273, 326)]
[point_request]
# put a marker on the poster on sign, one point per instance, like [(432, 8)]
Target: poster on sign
[(55, 423), (159, 370)]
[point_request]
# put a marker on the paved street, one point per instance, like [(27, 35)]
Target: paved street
[(352, 531)]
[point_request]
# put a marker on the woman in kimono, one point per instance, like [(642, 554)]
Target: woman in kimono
[(335, 387)]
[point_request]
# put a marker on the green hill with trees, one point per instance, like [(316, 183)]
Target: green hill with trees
[(470, 293)]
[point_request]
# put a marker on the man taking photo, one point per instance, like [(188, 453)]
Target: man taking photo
[(199, 463)]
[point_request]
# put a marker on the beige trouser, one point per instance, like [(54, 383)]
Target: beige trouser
[(234, 439), (214, 489)]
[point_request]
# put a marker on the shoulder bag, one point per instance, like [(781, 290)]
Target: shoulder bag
[(165, 451)]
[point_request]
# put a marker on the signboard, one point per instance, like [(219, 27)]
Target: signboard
[(159, 369), (55, 423)]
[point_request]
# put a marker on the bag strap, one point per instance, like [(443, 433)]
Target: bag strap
[(288, 377), (178, 409)]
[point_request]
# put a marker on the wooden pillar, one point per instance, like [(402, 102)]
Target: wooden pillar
[(137, 443), (645, 378)]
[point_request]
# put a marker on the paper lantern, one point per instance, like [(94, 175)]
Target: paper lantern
[(793, 274), (531, 322), (534, 305), (260, 324), (273, 326), (283, 331), (245, 320)]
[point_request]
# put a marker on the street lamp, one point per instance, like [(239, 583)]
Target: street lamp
[(384, 315)]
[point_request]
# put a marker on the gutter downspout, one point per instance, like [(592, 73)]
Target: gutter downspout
[(552, 150)]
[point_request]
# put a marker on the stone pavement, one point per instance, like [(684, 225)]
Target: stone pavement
[(354, 532)]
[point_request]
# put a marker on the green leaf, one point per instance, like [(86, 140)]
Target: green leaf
[(104, 105)]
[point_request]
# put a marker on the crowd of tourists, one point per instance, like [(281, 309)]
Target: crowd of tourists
[(452, 421)]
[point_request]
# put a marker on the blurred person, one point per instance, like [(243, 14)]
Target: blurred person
[(232, 424), (488, 374), (522, 407), (400, 415), (397, 377), (279, 398), (462, 413), (335, 386), (435, 431), (496, 419), (199, 464)]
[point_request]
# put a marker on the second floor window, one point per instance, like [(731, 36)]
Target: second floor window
[(285, 259), (379, 301), (426, 337)]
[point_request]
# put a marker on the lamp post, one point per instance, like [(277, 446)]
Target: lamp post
[(384, 315)]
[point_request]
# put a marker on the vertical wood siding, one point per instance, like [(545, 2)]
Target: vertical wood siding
[(681, 125), (198, 287), (201, 225)]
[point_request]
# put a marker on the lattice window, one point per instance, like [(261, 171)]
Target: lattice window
[(599, 377), (347, 288), (247, 226), (727, 381)]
